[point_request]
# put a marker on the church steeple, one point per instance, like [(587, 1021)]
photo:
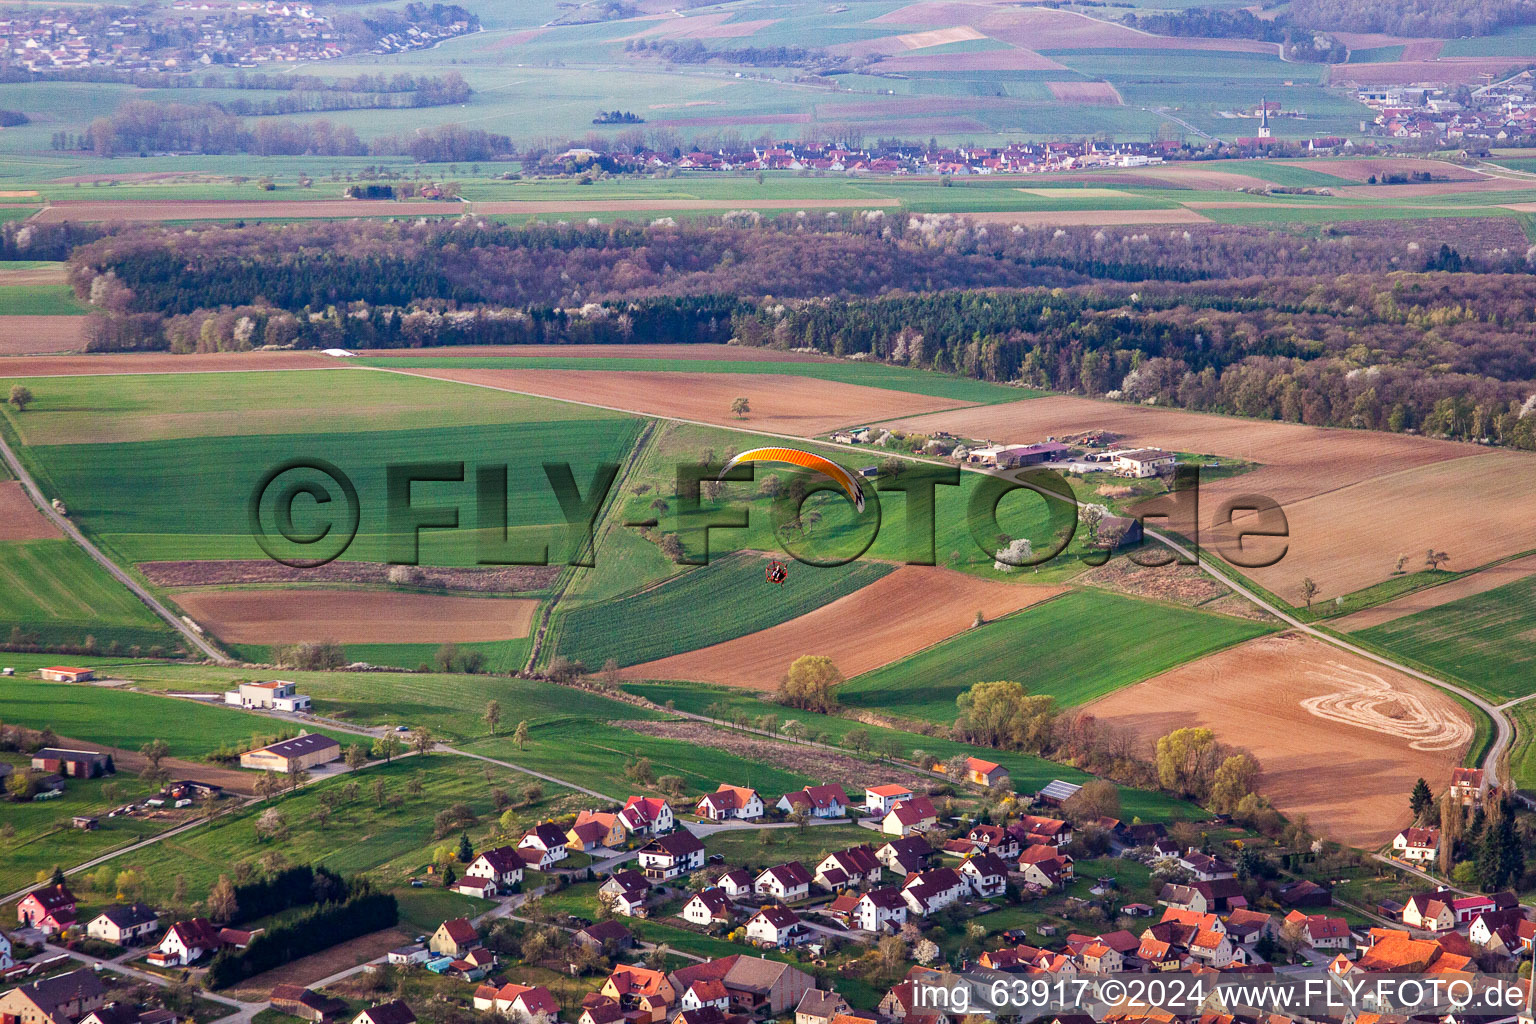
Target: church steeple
[(1263, 118)]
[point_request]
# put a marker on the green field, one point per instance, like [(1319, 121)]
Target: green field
[(1522, 758), (1483, 640), (127, 720), (52, 589), (501, 656), (39, 300), (868, 374), (708, 605), (1077, 647)]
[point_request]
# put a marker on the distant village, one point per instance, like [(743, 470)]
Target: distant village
[(1489, 115), (193, 33)]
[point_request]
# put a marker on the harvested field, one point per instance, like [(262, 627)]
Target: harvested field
[(19, 518), (1434, 597), (233, 209), (37, 335), (1173, 176), (1065, 218), (355, 616), (307, 970), (163, 362), (939, 37), (897, 615), (1435, 188), (515, 206), (1362, 169), (34, 275), (804, 406), (1376, 40), (1188, 585), (1354, 498), (1016, 59), (823, 765), (1294, 703), (735, 353), (703, 26), (15, 193), (1423, 49), (1101, 93), (1451, 70), (510, 579), (232, 779)]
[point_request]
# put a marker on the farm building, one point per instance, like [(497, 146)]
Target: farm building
[(1055, 793), (298, 1001), (77, 764), (66, 674), (1143, 462), (277, 695), (301, 752), (1011, 456)]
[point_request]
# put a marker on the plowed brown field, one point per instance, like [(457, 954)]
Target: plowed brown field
[(1362, 168), (1434, 597), (233, 209), (1065, 218), (1297, 704), (355, 616), (1355, 499), (19, 518), (782, 404), (33, 335), (897, 615), (733, 353)]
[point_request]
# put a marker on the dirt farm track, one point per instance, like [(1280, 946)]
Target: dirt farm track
[(897, 615), (1294, 703)]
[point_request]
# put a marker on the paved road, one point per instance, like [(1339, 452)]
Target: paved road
[(69, 529), (244, 1011), (1504, 731)]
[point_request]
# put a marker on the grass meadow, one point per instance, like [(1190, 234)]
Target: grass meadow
[(1075, 648), (52, 589), (39, 300)]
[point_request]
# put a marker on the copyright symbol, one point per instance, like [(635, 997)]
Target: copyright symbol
[(320, 534), (1112, 991)]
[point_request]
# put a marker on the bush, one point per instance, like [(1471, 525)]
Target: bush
[(327, 925)]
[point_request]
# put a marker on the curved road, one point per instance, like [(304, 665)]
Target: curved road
[(1503, 730), (69, 530)]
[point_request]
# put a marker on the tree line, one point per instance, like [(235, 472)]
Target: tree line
[(1336, 330)]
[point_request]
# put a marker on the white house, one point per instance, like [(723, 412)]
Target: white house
[(736, 884), (730, 802), (854, 867), (277, 695), (705, 992), (502, 866), (827, 801), (931, 891), (1419, 845), (709, 907), (647, 815), (123, 924), (627, 892), (908, 816), (671, 855), (186, 942), (548, 838), (986, 874), (776, 926), (1142, 462), (880, 909), (786, 882), (6, 959), (1206, 868), (880, 799)]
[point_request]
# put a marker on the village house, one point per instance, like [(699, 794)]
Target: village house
[(454, 938), (594, 829), (502, 867), (393, 1012), (737, 883), (982, 773), (298, 1001), (548, 839), (818, 1007), (647, 815), (627, 892), (186, 942), (408, 956), (828, 801), (1417, 845), (709, 907), (277, 695), (909, 816), (880, 799), (854, 867), (62, 999), (597, 1008), (1045, 867), (606, 937), (1498, 931), (880, 910), (521, 1003), (776, 926), (1206, 868), (931, 891), (1246, 927), (1141, 462), (905, 856), (641, 992), (123, 924), (1321, 931), (986, 874), (1098, 958), (705, 993), (1034, 830), (6, 959), (127, 1013), (74, 764), (731, 802), (994, 839), (757, 987), (1397, 952), (50, 909), (1430, 912), (672, 855), (785, 882), (1467, 786), (303, 752)]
